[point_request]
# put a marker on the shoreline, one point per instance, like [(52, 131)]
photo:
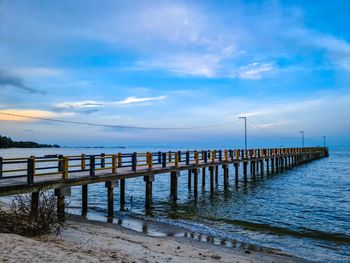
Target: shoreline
[(96, 241)]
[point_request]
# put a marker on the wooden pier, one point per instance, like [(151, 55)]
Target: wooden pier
[(35, 174)]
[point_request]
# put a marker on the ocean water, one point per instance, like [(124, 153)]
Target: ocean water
[(304, 211)]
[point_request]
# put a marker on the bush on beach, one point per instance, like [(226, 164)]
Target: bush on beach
[(20, 219)]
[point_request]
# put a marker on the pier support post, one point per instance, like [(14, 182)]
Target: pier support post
[(122, 194), (225, 168), (189, 179), (110, 185), (148, 179), (34, 204), (262, 167), (216, 174), (203, 177), (236, 172), (211, 170), (60, 193), (267, 166), (84, 199), (252, 163), (195, 182), (272, 165), (245, 175), (277, 164), (173, 185)]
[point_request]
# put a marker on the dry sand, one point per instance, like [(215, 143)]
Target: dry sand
[(91, 241)]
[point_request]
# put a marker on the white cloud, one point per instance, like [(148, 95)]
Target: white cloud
[(91, 104), (254, 70), (185, 65), (134, 100), (337, 50)]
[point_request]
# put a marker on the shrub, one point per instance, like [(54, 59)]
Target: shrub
[(20, 219)]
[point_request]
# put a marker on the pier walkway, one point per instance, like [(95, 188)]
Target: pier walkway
[(35, 174)]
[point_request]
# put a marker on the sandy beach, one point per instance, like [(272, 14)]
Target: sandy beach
[(93, 241)]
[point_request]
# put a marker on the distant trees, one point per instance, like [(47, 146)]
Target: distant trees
[(7, 142)]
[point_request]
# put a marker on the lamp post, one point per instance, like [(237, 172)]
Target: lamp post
[(245, 131), (302, 138), (324, 141)]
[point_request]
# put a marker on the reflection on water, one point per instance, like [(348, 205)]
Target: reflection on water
[(304, 211)]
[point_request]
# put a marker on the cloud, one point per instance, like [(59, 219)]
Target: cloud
[(94, 105), (133, 100), (38, 71), (336, 49), (184, 65), (7, 79), (254, 70)]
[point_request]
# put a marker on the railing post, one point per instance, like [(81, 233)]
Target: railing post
[(159, 157), (65, 168), (164, 160), (196, 158), (149, 160), (1, 160), (120, 160), (176, 160), (133, 161), (83, 162), (205, 157), (220, 155), (169, 156), (114, 164), (103, 160), (92, 165), (30, 170), (60, 163), (179, 156)]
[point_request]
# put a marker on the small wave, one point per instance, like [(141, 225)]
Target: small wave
[(302, 232)]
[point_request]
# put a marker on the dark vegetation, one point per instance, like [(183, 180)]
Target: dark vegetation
[(20, 218), (7, 142)]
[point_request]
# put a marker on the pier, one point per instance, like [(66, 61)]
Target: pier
[(60, 173)]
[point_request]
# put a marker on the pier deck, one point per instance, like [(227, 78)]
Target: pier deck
[(35, 174)]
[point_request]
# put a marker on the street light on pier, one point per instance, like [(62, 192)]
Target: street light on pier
[(302, 138), (324, 141), (245, 131)]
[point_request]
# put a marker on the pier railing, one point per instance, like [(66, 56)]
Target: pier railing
[(89, 164), (58, 172)]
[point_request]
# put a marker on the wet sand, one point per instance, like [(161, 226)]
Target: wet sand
[(93, 241)]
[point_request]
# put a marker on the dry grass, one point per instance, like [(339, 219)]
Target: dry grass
[(20, 219)]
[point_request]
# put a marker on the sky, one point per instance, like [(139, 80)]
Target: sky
[(197, 65)]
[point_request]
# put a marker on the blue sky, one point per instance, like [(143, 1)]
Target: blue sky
[(283, 64)]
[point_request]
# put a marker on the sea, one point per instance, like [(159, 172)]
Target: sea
[(303, 211)]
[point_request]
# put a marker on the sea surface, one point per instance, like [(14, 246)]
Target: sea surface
[(304, 211)]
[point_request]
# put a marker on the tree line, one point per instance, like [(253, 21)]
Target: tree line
[(7, 142)]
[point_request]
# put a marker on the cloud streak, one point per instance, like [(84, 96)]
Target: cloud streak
[(9, 80), (91, 104)]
